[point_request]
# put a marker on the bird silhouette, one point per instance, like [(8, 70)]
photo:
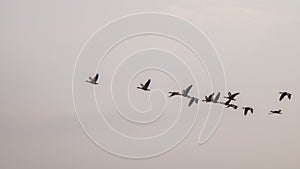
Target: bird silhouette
[(284, 94), (215, 100), (145, 86), (208, 98), (193, 99), (246, 109), (93, 80), (174, 94), (275, 112), (231, 96)]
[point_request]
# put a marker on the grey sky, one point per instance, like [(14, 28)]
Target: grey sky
[(256, 40)]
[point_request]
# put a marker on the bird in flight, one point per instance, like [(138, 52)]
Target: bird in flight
[(246, 109), (285, 94), (215, 100), (231, 96), (208, 98), (173, 94), (145, 86), (186, 91), (275, 112), (93, 80), (193, 99)]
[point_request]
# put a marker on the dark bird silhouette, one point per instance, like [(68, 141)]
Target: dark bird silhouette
[(275, 112), (145, 86), (284, 94), (93, 80), (193, 99), (232, 105), (231, 96), (208, 98), (246, 109), (215, 100), (173, 94), (186, 91)]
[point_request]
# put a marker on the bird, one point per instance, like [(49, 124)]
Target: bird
[(145, 86), (208, 98), (215, 100), (193, 99), (231, 96), (186, 91), (275, 112), (283, 94), (93, 80), (232, 105), (246, 109), (173, 94)]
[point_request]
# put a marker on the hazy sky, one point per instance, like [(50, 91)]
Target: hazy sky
[(257, 42)]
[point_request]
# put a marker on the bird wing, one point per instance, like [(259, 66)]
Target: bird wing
[(191, 101), (96, 77), (147, 83), (211, 95), (282, 96), (187, 90), (235, 94), (289, 96), (251, 110), (245, 112), (217, 97), (228, 102)]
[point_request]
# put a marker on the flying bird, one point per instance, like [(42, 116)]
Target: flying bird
[(275, 112), (284, 94), (173, 94), (93, 80), (208, 98), (145, 86), (193, 99), (231, 96), (186, 91), (246, 109), (215, 100)]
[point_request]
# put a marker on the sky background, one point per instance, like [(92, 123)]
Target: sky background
[(257, 42)]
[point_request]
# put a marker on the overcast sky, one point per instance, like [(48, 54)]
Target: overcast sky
[(257, 42)]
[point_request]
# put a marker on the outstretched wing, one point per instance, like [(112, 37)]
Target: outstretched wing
[(187, 90), (147, 83), (96, 77), (289, 96), (191, 101), (217, 97), (235, 94), (211, 95), (228, 102), (282, 96), (245, 112)]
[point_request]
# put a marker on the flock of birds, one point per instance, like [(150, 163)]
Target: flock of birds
[(208, 99)]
